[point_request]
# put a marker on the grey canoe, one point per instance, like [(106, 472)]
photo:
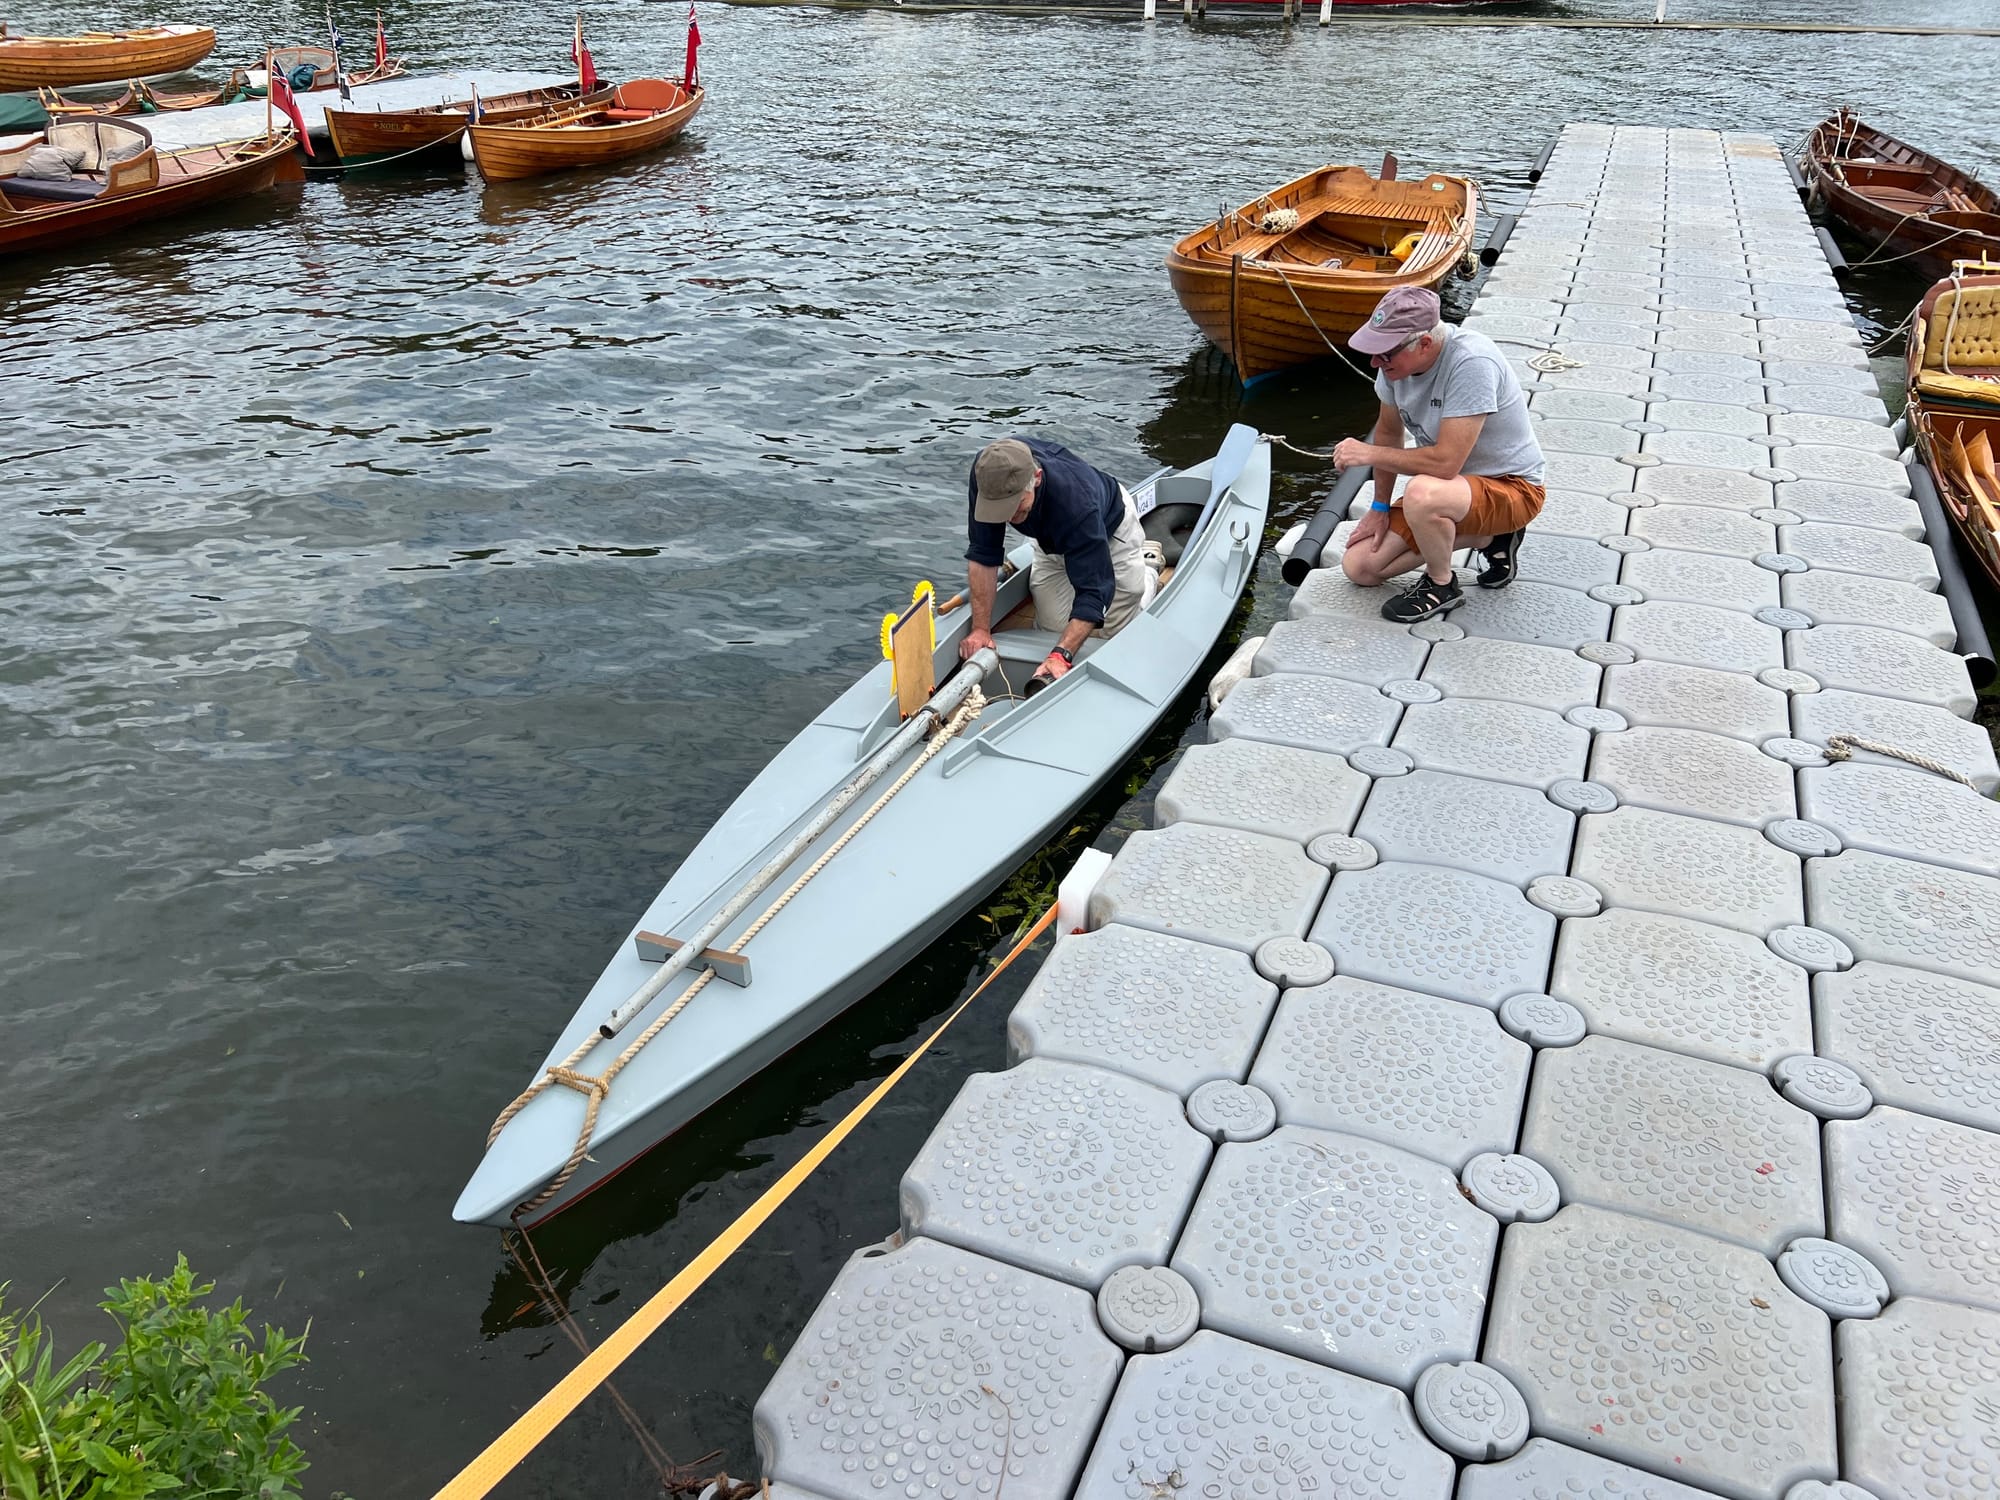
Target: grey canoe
[(959, 828)]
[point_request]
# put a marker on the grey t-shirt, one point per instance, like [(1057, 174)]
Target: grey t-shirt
[(1471, 378)]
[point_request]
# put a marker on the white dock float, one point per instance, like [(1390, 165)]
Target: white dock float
[(1591, 1089), (233, 122)]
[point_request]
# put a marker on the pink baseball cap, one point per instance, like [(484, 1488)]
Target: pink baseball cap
[(1402, 312)]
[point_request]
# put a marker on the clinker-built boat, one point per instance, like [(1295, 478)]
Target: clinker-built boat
[(640, 116), (28, 62), (1909, 204), (1288, 276), (967, 808), (117, 179), (364, 135), (1954, 409)]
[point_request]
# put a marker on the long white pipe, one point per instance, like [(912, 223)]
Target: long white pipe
[(942, 705)]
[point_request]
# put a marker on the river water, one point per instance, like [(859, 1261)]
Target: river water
[(399, 575)]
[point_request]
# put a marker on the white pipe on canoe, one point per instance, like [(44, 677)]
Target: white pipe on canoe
[(942, 705)]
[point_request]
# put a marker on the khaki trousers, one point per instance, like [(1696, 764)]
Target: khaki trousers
[(1049, 581)]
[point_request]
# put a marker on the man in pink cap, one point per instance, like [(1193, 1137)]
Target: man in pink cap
[(1453, 418)]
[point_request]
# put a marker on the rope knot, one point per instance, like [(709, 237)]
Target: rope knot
[(584, 1083)]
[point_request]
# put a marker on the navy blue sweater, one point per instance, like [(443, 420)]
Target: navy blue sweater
[(1076, 510)]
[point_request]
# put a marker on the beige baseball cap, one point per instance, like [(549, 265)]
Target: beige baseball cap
[(1002, 472)]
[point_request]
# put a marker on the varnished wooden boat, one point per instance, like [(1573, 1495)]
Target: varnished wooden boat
[(28, 62), (287, 60), (141, 98), (642, 115), (362, 135), (1288, 276), (1908, 204), (113, 191), (1953, 370)]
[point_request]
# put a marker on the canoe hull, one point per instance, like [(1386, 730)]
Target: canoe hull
[(361, 135), (1889, 192), (505, 153), (59, 62), (932, 854), (1271, 301)]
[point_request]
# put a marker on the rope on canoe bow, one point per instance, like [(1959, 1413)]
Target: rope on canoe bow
[(596, 1087), (1843, 746)]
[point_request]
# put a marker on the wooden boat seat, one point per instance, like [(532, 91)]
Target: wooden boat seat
[(630, 114), (1968, 368)]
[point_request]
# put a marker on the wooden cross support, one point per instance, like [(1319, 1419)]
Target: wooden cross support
[(734, 967)]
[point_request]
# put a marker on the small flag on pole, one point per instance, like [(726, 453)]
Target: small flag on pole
[(381, 44), (472, 115), (333, 41), (586, 70), (281, 95), (691, 75)]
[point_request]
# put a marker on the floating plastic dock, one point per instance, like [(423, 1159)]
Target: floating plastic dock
[(233, 122), (1520, 1063)]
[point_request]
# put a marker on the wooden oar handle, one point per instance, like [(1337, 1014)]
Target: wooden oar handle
[(1007, 571)]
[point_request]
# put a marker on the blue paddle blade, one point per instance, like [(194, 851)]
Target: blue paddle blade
[(1235, 452)]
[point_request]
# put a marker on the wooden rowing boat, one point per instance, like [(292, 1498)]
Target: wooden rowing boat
[(285, 61), (28, 62), (640, 116), (1953, 372), (141, 98), (121, 180), (963, 822), (1907, 203), (1288, 276), (362, 135)]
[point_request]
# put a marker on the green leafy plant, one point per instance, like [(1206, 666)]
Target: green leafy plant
[(176, 1405)]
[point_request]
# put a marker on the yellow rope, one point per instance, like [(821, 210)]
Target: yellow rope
[(504, 1454), (597, 1087)]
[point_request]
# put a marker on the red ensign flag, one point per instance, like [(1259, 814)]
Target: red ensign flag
[(690, 76)]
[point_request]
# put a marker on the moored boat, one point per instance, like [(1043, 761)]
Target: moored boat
[(363, 135), (1288, 276), (966, 810), (141, 98), (28, 62), (291, 63), (1953, 372), (640, 116), (117, 179), (1910, 205)]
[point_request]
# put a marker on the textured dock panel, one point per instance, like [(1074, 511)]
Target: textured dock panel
[(1861, 549), (1936, 732), (1259, 787), (1689, 867), (1850, 599), (1919, 1041), (1328, 591), (1548, 1471), (1887, 662), (1221, 1417), (888, 1383), (1058, 1168), (1921, 1199), (1212, 884), (1432, 1076), (1441, 932), (1572, 561), (1339, 1250), (1172, 1012), (1539, 613), (1571, 513), (1677, 1139), (1511, 833), (1917, 1392), (1667, 1350), (1674, 696), (1852, 505), (1539, 676), (1922, 817), (1686, 986), (1313, 713), (1370, 651), (1699, 635), (1700, 578), (1504, 741), (1720, 489), (1900, 912), (1687, 771), (1702, 528)]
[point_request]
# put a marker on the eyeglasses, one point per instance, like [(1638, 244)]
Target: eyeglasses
[(1383, 361)]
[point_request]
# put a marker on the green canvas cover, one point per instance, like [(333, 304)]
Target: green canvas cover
[(21, 113)]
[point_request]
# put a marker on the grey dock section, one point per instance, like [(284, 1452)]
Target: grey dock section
[(234, 122), (1521, 1063)]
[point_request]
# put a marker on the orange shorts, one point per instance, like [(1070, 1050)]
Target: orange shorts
[(1500, 503)]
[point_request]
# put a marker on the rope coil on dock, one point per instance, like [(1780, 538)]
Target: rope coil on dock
[(596, 1087)]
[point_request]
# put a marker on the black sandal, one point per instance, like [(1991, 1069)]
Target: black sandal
[(1499, 555)]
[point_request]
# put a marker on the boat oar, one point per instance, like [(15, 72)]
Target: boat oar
[(1237, 446), (1007, 571)]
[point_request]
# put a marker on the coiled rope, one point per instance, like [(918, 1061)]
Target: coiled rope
[(1842, 747), (596, 1087)]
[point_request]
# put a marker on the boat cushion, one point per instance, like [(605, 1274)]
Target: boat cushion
[(64, 190), (1980, 388), (648, 94), (630, 114), (1974, 333), (50, 164)]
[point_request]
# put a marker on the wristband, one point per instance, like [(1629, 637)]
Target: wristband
[(1378, 505)]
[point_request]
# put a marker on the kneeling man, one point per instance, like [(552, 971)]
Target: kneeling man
[(1089, 574), (1475, 468)]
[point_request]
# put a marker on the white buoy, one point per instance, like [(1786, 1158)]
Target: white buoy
[(1289, 540), (1149, 9), (465, 143), (1326, 12)]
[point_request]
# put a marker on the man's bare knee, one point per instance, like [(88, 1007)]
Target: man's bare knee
[(1359, 568)]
